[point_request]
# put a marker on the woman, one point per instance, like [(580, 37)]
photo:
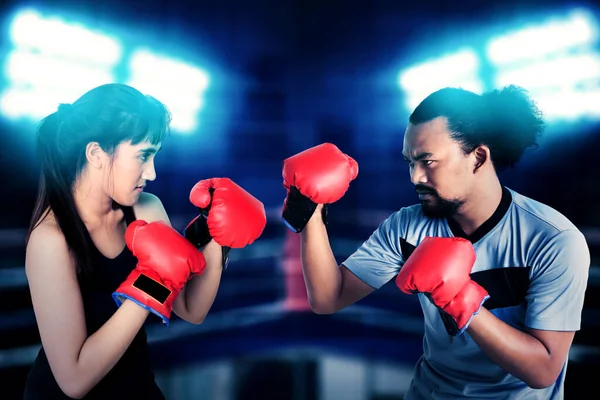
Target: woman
[(96, 156)]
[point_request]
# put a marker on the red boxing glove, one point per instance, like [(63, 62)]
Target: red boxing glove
[(166, 260), (319, 175), (236, 218), (440, 268)]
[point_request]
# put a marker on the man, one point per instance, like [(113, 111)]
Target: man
[(500, 277)]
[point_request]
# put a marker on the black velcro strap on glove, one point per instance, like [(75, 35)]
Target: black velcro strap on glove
[(197, 231), (299, 209), (152, 288), (198, 234)]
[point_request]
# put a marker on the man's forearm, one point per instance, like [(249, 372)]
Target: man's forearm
[(517, 352), (321, 272)]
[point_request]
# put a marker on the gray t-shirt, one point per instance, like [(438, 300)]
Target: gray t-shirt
[(532, 260)]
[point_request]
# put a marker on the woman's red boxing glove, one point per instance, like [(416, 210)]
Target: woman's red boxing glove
[(166, 261)]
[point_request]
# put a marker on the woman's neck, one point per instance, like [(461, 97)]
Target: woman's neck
[(94, 206)]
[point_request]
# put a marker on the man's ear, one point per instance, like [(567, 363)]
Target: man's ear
[(482, 157), (95, 155)]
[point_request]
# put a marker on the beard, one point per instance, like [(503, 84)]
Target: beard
[(436, 206)]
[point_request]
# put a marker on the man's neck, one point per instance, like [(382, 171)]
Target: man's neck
[(480, 207)]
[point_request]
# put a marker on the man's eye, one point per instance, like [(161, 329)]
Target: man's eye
[(144, 157), (427, 162)]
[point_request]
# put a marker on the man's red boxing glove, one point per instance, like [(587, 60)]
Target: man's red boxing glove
[(228, 214), (441, 268), (166, 261), (319, 175)]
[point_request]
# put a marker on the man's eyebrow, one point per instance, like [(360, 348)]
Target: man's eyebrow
[(419, 156)]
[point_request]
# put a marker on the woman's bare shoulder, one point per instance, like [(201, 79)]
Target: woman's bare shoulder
[(150, 208), (47, 246)]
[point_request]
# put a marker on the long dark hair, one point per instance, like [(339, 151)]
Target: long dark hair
[(109, 115), (506, 120)]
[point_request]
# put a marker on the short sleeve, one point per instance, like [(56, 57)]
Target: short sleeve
[(379, 258), (558, 283)]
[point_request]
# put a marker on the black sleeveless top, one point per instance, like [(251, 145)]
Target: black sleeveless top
[(132, 376)]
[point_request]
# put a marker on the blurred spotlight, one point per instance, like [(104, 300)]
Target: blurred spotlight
[(578, 28), (459, 69), (177, 84), (52, 61), (557, 61)]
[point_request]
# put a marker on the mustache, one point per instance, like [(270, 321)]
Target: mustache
[(422, 189)]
